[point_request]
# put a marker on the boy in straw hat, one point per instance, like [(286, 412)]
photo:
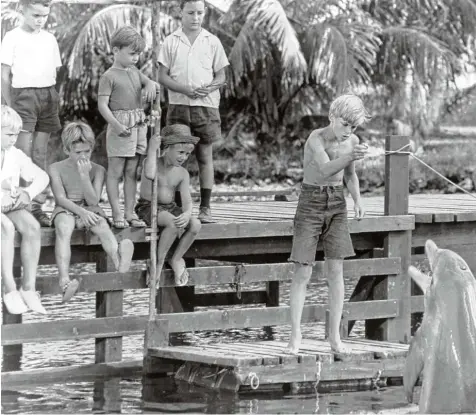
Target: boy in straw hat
[(177, 143)]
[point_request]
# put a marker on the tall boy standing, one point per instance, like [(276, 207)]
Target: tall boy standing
[(192, 66), (329, 155), (30, 58)]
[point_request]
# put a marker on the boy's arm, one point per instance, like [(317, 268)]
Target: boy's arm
[(321, 161), (7, 84), (185, 193), (352, 183), (30, 172), (167, 81), (60, 195), (150, 87), (150, 163), (92, 188)]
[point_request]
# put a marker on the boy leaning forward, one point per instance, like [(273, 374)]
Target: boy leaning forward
[(329, 156)]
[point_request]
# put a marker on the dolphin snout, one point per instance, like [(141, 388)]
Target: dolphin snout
[(431, 250)]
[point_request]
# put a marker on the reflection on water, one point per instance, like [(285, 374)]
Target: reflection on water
[(164, 395), (136, 395)]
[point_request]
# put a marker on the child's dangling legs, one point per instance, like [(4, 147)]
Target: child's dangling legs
[(64, 226), (30, 232), (120, 253)]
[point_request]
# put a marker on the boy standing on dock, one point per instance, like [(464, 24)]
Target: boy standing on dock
[(177, 143), (30, 59), (329, 156), (15, 217), (192, 67), (120, 103), (77, 185)]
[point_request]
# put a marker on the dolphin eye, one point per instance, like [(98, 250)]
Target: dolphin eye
[(463, 267)]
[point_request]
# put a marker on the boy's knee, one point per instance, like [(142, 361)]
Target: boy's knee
[(8, 228), (63, 228), (102, 224), (302, 273), (32, 229), (194, 226), (335, 267)]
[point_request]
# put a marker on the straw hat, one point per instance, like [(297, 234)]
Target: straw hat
[(178, 134)]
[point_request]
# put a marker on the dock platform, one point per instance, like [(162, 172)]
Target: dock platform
[(244, 367)]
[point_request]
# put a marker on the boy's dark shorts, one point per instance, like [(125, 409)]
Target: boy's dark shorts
[(321, 214), (78, 222), (204, 122), (38, 108), (144, 210)]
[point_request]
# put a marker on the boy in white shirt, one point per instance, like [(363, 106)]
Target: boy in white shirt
[(30, 57), (15, 217)]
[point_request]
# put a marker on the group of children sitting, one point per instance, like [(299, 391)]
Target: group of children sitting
[(30, 58)]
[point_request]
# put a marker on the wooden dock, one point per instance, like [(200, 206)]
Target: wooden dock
[(252, 241), (245, 367)]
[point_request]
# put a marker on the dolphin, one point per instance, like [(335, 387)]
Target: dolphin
[(444, 347)]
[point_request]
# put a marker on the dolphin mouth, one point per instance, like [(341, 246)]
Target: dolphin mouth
[(431, 250)]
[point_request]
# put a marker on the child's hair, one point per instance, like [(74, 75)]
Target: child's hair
[(184, 2), (11, 119), (77, 132), (350, 108), (128, 36), (26, 3)]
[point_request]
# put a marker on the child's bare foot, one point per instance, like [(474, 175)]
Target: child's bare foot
[(180, 271), (69, 288), (294, 344), (125, 251), (339, 347)]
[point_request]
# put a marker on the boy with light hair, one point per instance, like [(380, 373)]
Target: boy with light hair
[(16, 218), (329, 158), (77, 185), (30, 59)]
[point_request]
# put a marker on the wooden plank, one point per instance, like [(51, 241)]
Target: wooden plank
[(321, 346), (381, 343), (295, 372), (396, 176), (211, 357), (269, 357), (111, 281), (466, 216), (365, 369), (444, 217), (444, 234), (108, 304), (321, 356), (72, 373), (229, 298), (184, 322), (423, 217)]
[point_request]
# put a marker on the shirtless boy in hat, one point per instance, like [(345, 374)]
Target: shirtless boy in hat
[(177, 143)]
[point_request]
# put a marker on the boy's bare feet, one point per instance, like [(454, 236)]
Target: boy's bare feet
[(180, 271), (69, 288), (294, 344), (125, 252), (339, 347)]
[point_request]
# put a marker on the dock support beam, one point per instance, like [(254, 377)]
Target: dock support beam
[(397, 244), (108, 304)]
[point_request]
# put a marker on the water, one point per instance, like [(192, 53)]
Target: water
[(164, 394)]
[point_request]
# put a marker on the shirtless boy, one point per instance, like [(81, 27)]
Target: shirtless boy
[(329, 156), (177, 143)]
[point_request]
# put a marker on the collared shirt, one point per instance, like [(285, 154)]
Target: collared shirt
[(33, 58), (194, 65), (16, 165)]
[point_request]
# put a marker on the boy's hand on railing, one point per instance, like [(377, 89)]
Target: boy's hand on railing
[(150, 91), (154, 143), (359, 151)]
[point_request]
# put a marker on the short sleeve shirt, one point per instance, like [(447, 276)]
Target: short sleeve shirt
[(16, 165), (193, 65), (124, 88), (33, 58)]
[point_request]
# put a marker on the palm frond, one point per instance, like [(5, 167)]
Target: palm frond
[(266, 22)]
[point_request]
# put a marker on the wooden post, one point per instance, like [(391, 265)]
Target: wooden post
[(108, 304), (12, 354), (397, 244)]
